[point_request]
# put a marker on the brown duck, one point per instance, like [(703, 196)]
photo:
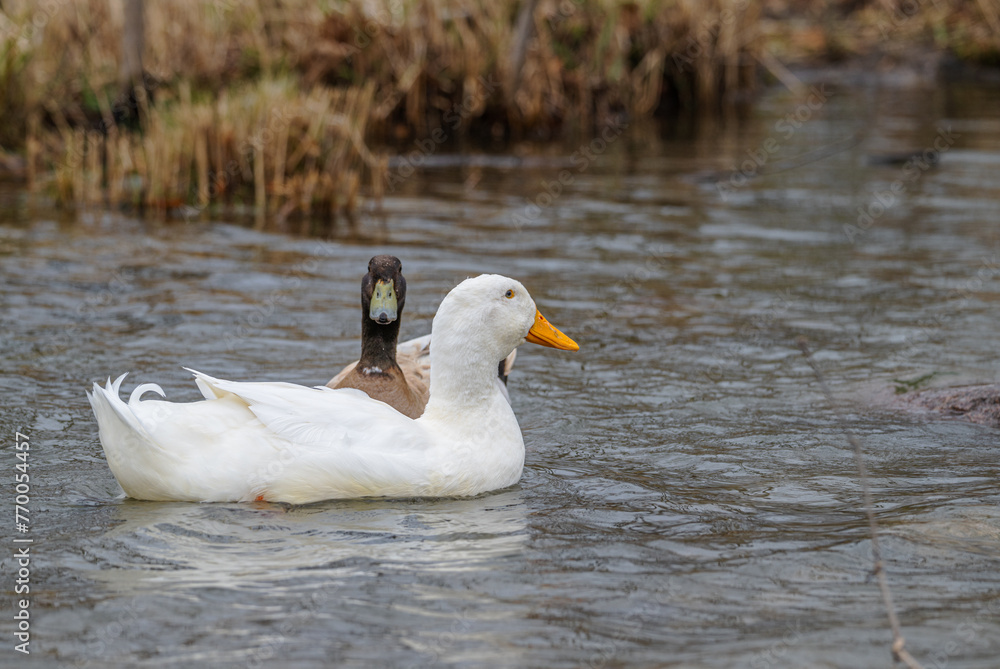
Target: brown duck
[(397, 374)]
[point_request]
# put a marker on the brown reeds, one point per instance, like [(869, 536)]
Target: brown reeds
[(896, 30), (266, 144), (537, 66), (270, 104), (222, 123)]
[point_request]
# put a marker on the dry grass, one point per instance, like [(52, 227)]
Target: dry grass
[(269, 103), (451, 65), (227, 122), (799, 31), (267, 143)]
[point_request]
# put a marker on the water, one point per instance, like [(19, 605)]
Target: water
[(688, 497)]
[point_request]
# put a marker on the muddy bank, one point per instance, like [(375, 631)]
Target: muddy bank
[(978, 404)]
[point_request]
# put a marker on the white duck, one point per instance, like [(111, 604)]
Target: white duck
[(289, 443)]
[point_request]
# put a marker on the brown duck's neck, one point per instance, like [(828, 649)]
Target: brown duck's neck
[(378, 344)]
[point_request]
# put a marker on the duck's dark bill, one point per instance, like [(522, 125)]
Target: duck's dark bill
[(544, 333), (383, 306)]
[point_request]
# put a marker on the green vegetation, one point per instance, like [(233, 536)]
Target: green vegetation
[(907, 385)]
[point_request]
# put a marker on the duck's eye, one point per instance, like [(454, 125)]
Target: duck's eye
[(509, 294)]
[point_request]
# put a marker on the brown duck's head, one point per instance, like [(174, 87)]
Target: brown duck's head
[(383, 290)]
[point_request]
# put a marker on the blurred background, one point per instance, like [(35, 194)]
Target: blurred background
[(297, 109)]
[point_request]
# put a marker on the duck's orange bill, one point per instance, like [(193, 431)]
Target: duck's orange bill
[(544, 333)]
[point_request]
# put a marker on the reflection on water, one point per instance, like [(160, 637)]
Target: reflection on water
[(238, 546), (688, 497)]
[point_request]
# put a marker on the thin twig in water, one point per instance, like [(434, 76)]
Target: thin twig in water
[(899, 653)]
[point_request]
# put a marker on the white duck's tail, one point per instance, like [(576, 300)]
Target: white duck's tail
[(133, 456), (210, 450)]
